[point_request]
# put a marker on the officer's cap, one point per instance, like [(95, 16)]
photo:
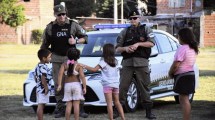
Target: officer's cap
[(134, 13), (59, 9)]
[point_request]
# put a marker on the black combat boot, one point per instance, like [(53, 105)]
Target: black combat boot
[(82, 112), (149, 114), (60, 113), (115, 113)]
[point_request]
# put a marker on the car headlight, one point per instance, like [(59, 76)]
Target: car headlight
[(95, 77)]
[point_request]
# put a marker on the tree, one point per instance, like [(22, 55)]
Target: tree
[(78, 7), (209, 4), (11, 14), (128, 6), (105, 7), (151, 7)]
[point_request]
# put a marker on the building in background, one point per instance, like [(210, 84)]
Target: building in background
[(38, 14), (171, 15)]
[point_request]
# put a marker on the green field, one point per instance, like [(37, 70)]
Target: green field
[(17, 60)]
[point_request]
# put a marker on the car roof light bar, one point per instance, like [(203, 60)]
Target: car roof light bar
[(111, 26), (106, 26)]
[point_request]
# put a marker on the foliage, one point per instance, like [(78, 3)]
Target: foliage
[(78, 7), (11, 14), (37, 36), (209, 4), (105, 8), (151, 7)]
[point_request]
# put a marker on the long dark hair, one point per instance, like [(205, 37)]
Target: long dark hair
[(187, 36), (73, 54), (109, 54)]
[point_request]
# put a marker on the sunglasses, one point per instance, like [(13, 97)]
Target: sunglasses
[(134, 18), (61, 14)]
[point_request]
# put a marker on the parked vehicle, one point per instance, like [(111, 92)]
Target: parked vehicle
[(160, 61)]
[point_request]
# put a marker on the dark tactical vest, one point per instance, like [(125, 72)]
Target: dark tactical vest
[(59, 39), (134, 35)]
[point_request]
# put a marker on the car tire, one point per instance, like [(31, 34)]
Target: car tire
[(132, 98), (190, 98), (48, 109)]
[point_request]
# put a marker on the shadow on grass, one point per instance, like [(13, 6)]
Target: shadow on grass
[(206, 72), (203, 110), (15, 71)]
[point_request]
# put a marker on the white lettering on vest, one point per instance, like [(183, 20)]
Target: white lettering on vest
[(60, 34)]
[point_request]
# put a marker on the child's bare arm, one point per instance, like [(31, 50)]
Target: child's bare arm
[(44, 83), (83, 79), (95, 69), (60, 76), (174, 68)]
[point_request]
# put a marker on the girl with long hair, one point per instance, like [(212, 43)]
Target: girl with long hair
[(73, 90), (182, 69), (110, 79)]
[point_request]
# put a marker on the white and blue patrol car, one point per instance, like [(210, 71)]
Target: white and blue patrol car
[(160, 61)]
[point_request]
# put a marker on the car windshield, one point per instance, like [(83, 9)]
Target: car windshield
[(95, 44)]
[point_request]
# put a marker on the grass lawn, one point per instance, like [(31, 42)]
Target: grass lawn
[(17, 60)]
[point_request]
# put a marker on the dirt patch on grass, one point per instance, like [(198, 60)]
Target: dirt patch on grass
[(11, 108)]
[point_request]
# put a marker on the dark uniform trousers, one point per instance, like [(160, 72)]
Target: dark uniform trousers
[(143, 80), (56, 64)]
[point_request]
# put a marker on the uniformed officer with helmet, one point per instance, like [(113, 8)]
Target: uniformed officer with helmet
[(134, 43), (59, 35)]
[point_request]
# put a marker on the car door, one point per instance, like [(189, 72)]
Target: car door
[(160, 64)]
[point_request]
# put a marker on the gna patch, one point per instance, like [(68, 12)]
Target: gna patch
[(61, 34)]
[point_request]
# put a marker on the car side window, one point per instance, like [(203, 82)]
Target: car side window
[(97, 49), (95, 43), (155, 48), (173, 43), (163, 42)]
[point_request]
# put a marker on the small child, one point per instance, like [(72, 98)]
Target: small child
[(73, 92), (110, 79), (43, 77), (182, 69)]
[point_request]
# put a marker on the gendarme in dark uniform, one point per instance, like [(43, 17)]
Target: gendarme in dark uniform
[(59, 36), (134, 43)]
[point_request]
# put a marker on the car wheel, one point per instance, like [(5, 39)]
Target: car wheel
[(190, 98), (132, 100), (48, 109)]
